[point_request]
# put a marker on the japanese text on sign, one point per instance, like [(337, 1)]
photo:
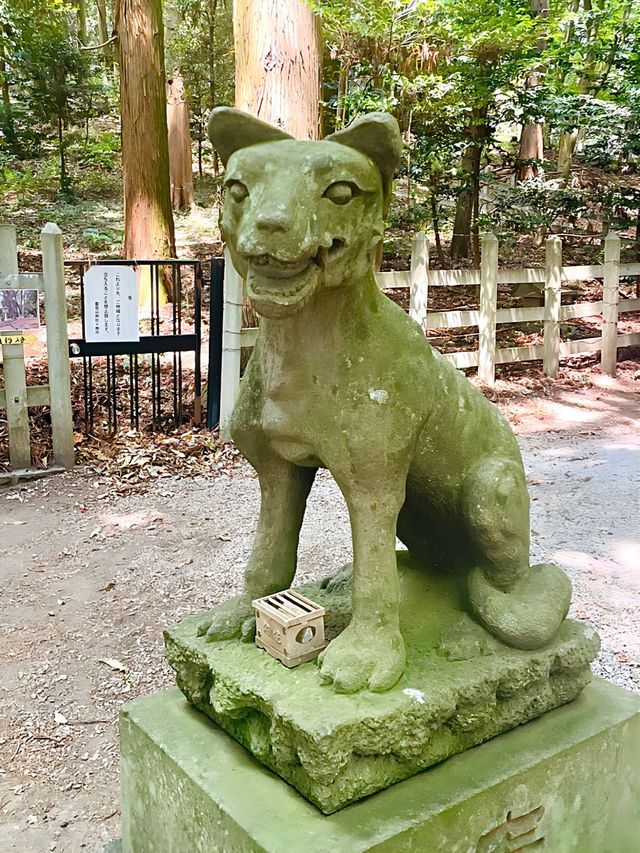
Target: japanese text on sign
[(111, 304)]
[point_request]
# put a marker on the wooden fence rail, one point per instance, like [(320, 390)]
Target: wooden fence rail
[(419, 278), (16, 397)]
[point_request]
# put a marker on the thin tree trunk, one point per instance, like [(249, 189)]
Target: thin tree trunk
[(4, 86), (180, 162), (461, 240), (436, 228), (531, 148), (81, 7), (278, 64), (104, 34), (476, 134), (532, 136), (63, 162), (343, 82), (566, 148), (475, 236), (213, 8), (7, 109), (145, 152)]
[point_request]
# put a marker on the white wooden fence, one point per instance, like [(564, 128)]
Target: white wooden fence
[(16, 396), (419, 278)]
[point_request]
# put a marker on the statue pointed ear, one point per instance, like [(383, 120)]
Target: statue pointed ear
[(230, 130), (378, 136)]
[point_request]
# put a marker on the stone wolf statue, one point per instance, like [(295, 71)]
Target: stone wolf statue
[(341, 378)]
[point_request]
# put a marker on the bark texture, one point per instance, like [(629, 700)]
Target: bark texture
[(145, 151), (468, 198), (278, 64), (531, 148), (532, 136), (104, 34), (180, 165)]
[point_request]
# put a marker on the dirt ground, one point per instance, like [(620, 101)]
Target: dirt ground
[(90, 579)]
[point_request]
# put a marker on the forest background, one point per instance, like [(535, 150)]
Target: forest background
[(518, 116)]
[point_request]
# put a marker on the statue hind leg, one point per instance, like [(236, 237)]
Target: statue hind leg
[(521, 605)]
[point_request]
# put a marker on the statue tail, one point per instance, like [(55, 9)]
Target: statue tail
[(530, 613)]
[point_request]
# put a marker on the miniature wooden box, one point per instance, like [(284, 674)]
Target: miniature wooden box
[(289, 626)]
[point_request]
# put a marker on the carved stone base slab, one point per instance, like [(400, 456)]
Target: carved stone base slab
[(568, 782), (461, 687)]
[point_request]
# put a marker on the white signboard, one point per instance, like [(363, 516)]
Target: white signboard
[(111, 304)]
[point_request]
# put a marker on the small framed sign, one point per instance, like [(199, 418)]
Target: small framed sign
[(19, 310), (111, 304)]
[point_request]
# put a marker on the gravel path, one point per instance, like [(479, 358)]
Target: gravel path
[(90, 581)]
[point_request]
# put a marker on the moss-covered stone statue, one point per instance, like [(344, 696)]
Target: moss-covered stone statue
[(342, 378)]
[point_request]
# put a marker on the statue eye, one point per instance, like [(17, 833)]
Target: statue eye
[(340, 193), (238, 191)]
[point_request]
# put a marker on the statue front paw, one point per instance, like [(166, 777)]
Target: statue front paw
[(233, 618), (363, 657)]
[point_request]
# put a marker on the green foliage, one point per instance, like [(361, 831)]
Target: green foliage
[(53, 84), (535, 205), (101, 151), (458, 76), (98, 239)]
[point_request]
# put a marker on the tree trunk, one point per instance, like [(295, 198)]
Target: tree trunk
[(278, 70), (63, 162), (343, 84), (180, 165), (81, 6), (476, 133), (531, 148), (278, 64), (148, 219), (213, 8), (565, 152), (104, 34), (532, 136), (436, 227), (3, 79)]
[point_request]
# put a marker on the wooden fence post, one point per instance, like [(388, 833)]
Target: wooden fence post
[(610, 295), (419, 279), (488, 307), (552, 300), (231, 343), (15, 384), (57, 345)]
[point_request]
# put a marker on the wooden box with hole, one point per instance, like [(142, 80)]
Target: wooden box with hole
[(289, 627)]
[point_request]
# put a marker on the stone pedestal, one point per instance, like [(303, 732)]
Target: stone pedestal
[(568, 781), (461, 687)]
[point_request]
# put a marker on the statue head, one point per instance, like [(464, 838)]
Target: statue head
[(302, 216)]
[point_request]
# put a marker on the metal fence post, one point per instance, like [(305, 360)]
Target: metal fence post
[(488, 308), (231, 343), (57, 345), (15, 383), (552, 300), (419, 279), (610, 296)]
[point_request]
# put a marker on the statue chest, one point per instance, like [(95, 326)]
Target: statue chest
[(288, 426)]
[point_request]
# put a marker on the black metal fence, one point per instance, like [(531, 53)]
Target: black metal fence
[(145, 379)]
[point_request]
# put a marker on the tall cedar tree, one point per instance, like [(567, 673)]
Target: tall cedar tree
[(278, 64), (278, 70), (180, 160), (145, 152)]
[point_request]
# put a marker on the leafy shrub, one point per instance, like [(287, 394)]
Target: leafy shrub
[(533, 205), (101, 151)]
